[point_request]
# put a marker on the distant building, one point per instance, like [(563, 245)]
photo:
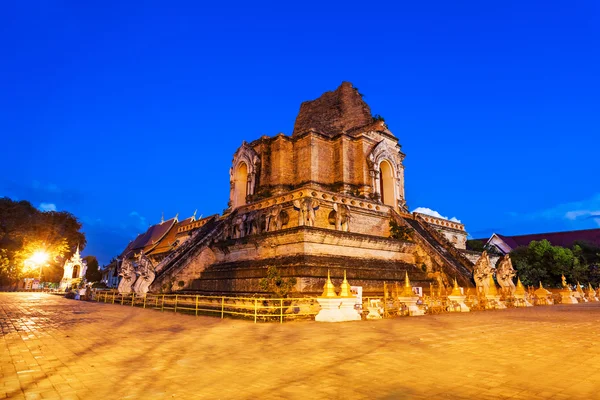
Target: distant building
[(506, 244), (110, 275)]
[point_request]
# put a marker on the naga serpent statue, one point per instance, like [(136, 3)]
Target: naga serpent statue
[(127, 274), (145, 272), (504, 274)]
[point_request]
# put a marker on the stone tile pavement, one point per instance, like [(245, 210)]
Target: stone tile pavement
[(55, 348)]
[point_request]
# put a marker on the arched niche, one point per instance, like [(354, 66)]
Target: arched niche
[(387, 174), (75, 272), (240, 184), (387, 184), (243, 175)]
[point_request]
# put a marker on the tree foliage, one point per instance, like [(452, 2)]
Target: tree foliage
[(275, 284), (542, 262), (92, 274), (475, 245), (25, 230)]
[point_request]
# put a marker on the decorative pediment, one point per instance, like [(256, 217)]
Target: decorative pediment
[(384, 151), (247, 155)]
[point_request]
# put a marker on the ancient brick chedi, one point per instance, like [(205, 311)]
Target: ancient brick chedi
[(323, 198)]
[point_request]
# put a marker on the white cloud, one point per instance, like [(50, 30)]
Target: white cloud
[(433, 213), (47, 207)]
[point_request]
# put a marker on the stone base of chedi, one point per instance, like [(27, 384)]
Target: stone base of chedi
[(336, 308)]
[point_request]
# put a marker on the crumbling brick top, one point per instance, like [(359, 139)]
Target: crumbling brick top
[(334, 112)]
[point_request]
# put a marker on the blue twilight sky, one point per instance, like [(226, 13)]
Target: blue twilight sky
[(119, 111)]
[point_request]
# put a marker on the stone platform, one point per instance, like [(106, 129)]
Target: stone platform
[(55, 348)]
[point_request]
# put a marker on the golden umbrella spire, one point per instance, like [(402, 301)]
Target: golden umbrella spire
[(345, 289), (520, 288), (455, 289), (328, 288), (407, 291)]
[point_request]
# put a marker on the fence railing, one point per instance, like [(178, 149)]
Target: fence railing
[(257, 309)]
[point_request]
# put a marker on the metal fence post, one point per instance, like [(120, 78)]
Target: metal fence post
[(132, 299), (145, 300), (162, 306), (281, 311), (196, 305), (122, 298), (113, 301), (255, 309), (222, 306), (156, 303), (175, 309)]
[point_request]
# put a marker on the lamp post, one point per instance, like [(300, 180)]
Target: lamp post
[(38, 258)]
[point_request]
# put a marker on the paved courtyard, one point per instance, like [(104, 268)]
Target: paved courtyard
[(57, 348)]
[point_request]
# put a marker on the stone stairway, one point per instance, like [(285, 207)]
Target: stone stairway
[(200, 239), (436, 244)]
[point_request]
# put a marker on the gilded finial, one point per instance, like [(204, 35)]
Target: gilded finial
[(520, 289), (455, 289), (194, 216), (345, 288), (162, 217), (328, 288), (407, 291)]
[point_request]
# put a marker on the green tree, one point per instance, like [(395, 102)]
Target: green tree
[(92, 274), (589, 255), (540, 261), (25, 230), (275, 284), (475, 245)]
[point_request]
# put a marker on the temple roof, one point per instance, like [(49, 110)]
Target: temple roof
[(166, 244), (151, 237), (334, 112), (563, 239)]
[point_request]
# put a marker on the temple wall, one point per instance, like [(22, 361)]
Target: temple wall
[(367, 217), (338, 164), (318, 242)]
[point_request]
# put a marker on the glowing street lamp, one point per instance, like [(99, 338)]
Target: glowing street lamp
[(38, 258)]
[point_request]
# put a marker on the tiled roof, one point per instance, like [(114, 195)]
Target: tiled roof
[(151, 237), (166, 243)]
